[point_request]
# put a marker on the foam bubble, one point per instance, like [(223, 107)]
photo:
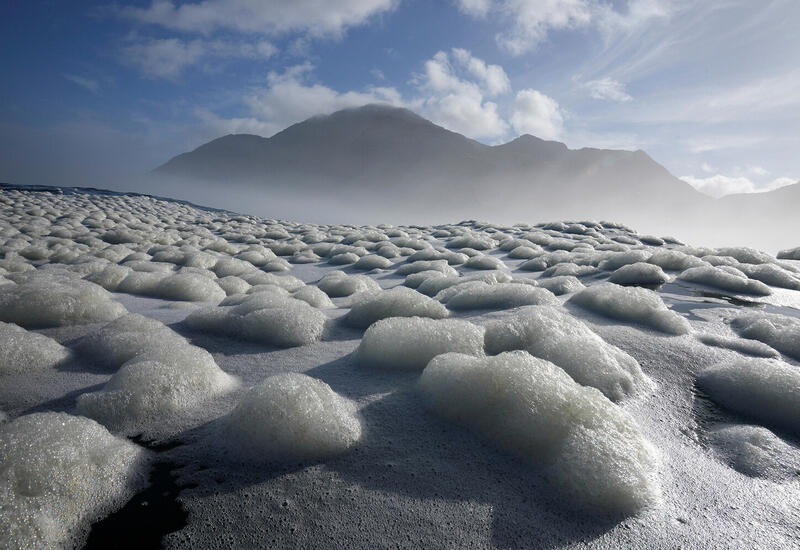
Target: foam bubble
[(631, 304), (725, 280), (479, 295), (60, 473), (290, 416), (410, 342), (764, 389), (782, 332), (401, 301), (590, 448), (23, 351), (639, 273), (552, 334), (44, 300), (156, 387), (755, 451)]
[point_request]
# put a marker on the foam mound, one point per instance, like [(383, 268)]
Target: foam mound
[(264, 317), (639, 273), (755, 451), (289, 417), (400, 301), (45, 300), (631, 304), (433, 286), (165, 378), (789, 254), (747, 347), (126, 337), (590, 448), (782, 332), (60, 473), (564, 284), (189, 287), (763, 389), (725, 280), (409, 343), (22, 351), (552, 334), (337, 284), (479, 295)]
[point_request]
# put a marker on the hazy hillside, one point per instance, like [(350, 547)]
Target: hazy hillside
[(377, 154), (379, 164)]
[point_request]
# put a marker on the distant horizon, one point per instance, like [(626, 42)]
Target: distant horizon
[(711, 90)]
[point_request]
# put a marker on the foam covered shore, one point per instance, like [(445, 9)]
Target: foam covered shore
[(464, 385)]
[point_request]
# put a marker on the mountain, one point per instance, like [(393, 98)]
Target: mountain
[(379, 163)]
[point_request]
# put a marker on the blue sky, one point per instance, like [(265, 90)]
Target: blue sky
[(95, 91)]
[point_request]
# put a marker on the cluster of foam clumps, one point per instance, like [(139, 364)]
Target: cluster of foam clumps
[(591, 448), (160, 375), (497, 319), (60, 473), (290, 416)]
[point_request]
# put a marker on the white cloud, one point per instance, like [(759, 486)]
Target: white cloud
[(607, 89), (455, 94), (530, 21), (708, 143), (475, 8), (221, 126), (533, 19), (168, 57), (720, 185), (493, 77), (85, 83), (316, 17), (451, 92), (537, 114), (291, 98)]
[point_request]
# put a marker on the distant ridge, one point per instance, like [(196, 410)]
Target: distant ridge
[(382, 155)]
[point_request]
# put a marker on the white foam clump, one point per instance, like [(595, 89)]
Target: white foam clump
[(782, 332), (674, 260), (618, 259), (590, 448), (146, 394), (552, 334), (639, 273), (755, 451), (409, 343), (426, 265), (789, 254), (725, 280), (128, 336), (44, 300), (400, 301), (373, 261), (189, 287), (289, 417), (483, 261), (337, 284), (564, 284), (631, 304), (60, 473), (764, 389), (433, 286), (163, 376), (23, 351), (748, 347), (265, 318), (313, 296), (479, 295)]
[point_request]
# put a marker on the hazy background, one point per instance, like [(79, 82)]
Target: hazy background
[(99, 93)]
